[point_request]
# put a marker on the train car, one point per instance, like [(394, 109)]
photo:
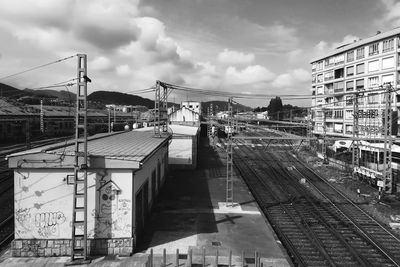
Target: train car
[(371, 161)]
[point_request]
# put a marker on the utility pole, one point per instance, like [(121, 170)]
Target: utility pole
[(79, 213), (109, 119), (41, 117), (161, 109), (324, 141), (356, 133), (309, 126), (229, 158), (387, 179)]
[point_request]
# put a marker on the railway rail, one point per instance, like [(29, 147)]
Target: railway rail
[(321, 229)]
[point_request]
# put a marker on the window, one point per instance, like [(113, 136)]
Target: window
[(388, 79), (329, 88), (373, 98), (319, 65), (360, 53), (350, 56), (373, 81), (350, 86), (338, 101), (350, 71), (319, 78), (360, 68), (349, 100), (373, 65), (339, 73), (313, 78), (348, 115), (374, 49), (339, 114), (338, 87), (388, 63), (320, 90), (360, 84), (314, 67), (328, 75), (388, 45)]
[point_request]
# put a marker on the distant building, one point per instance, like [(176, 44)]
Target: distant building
[(360, 66), (262, 115), (125, 174), (185, 116), (127, 108), (193, 105)]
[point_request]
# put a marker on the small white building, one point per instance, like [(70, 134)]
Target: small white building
[(185, 116), (182, 151), (126, 170), (193, 105)]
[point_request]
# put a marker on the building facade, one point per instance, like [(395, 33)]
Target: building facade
[(365, 67), (126, 172)]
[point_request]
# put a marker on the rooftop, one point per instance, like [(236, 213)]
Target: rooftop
[(358, 43), (115, 150)]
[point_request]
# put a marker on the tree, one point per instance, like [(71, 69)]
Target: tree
[(274, 108)]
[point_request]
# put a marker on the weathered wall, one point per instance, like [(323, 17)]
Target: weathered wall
[(43, 208), (180, 151), (43, 204)]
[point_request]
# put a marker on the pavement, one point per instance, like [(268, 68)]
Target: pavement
[(191, 216)]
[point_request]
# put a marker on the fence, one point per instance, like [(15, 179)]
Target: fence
[(203, 259)]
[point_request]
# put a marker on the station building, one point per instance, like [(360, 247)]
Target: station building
[(361, 66), (126, 171)]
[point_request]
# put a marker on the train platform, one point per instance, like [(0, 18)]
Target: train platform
[(191, 216)]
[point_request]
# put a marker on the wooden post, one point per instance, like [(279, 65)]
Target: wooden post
[(164, 257), (204, 257), (230, 259), (242, 258), (177, 257), (255, 259), (190, 258), (216, 258), (151, 257)]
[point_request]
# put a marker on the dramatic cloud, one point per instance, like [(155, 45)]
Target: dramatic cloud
[(250, 75), (230, 57), (391, 16), (292, 78)]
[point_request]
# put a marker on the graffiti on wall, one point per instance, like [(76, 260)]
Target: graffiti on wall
[(112, 212), (41, 224)]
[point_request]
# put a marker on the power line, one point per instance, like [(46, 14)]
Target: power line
[(37, 67)]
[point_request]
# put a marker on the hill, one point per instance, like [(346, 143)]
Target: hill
[(12, 92), (106, 97), (62, 95)]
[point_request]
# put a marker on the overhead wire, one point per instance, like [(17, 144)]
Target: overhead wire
[(37, 67)]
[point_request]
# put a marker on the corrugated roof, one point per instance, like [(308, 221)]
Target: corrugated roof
[(125, 146), (132, 146), (359, 43)]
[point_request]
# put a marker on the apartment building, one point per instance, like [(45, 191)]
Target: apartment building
[(363, 66)]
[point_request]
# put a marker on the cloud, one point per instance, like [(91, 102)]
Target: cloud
[(100, 63), (391, 16), (323, 47), (250, 75), (231, 57), (123, 70), (292, 78)]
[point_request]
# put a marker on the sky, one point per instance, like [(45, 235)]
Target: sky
[(252, 47)]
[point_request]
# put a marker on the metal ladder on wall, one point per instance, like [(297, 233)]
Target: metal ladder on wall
[(79, 213), (229, 158)]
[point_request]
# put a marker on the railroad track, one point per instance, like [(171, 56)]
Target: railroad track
[(328, 230), (6, 231)]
